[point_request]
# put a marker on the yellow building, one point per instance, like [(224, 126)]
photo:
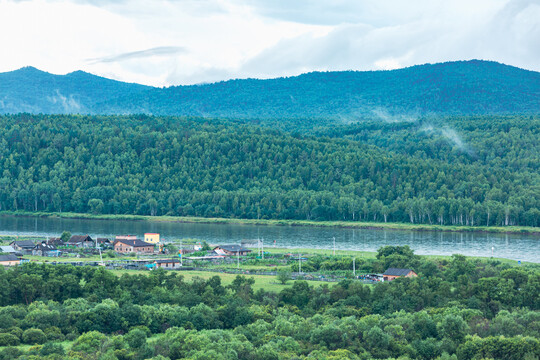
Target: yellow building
[(151, 238)]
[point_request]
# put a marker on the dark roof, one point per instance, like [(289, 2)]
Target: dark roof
[(397, 272), (24, 243), (134, 243), (8, 257), (79, 238), (163, 261), (45, 247), (53, 241), (232, 248), (102, 240)]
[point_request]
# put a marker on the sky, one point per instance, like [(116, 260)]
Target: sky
[(178, 42)]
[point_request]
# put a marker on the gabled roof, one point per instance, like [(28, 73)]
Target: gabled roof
[(45, 247), (102, 240), (397, 272), (79, 238), (232, 248), (24, 243), (134, 243), (7, 249), (8, 257)]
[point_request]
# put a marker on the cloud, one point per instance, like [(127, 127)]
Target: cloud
[(157, 51)]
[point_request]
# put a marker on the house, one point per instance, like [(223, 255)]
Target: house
[(81, 241), (44, 249), (104, 243), (393, 273), (231, 250), (168, 263), (9, 260), (7, 249), (130, 246), (151, 238), (23, 246), (55, 242)]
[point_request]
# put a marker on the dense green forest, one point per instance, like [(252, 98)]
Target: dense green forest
[(452, 88), (457, 308), (399, 172)]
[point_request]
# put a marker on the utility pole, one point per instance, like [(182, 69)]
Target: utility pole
[(181, 252), (238, 259), (334, 246), (299, 263), (354, 266), (262, 248)]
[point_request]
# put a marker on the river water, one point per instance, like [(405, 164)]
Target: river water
[(511, 246)]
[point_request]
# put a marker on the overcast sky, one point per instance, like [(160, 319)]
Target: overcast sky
[(172, 42)]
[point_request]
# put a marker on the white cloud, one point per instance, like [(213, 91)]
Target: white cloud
[(211, 40)]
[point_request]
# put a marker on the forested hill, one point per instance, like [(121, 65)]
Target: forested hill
[(453, 88), (483, 173)]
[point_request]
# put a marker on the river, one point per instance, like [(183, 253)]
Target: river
[(510, 246)]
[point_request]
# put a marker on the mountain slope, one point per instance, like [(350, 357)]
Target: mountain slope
[(453, 88)]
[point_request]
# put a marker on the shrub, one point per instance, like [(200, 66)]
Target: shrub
[(9, 340), (136, 338), (34, 336), (53, 333), (10, 353), (52, 348)]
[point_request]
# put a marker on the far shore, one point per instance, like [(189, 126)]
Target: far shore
[(273, 222)]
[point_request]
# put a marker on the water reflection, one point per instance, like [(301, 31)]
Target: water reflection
[(511, 246)]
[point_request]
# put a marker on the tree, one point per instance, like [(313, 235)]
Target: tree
[(283, 276), (96, 206), (66, 235)]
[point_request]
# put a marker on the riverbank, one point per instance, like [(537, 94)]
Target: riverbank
[(270, 222)]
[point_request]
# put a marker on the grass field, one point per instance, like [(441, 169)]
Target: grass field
[(341, 224), (266, 282)]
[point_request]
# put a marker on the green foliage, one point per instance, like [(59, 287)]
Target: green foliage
[(192, 167), (7, 339), (467, 309), (283, 276), (34, 336), (66, 235)]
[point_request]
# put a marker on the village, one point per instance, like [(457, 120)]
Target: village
[(128, 252)]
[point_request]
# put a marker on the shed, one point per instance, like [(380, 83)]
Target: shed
[(9, 260), (231, 250), (168, 263), (7, 249)]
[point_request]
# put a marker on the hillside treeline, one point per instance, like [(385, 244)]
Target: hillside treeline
[(456, 309), (197, 167)]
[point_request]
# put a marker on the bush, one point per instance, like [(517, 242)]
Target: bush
[(136, 338), (10, 353), (111, 254), (34, 336), (52, 348), (9, 340), (53, 333), (283, 276)]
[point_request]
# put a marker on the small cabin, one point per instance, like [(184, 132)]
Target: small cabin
[(394, 273), (44, 249)]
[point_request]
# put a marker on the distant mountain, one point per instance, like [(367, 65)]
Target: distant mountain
[(453, 88)]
